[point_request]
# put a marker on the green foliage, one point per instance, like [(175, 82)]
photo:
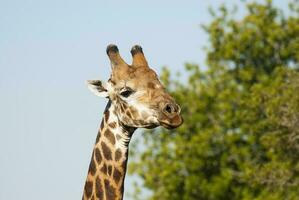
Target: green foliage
[(240, 138)]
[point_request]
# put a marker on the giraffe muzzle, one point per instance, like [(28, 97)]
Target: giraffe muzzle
[(171, 117)]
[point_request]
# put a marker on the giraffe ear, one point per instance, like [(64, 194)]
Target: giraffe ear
[(97, 87)]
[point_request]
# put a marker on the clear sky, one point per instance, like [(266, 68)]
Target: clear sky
[(48, 118)]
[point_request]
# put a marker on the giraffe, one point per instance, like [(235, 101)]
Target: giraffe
[(136, 99)]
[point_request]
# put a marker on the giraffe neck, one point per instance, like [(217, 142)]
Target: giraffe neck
[(107, 169)]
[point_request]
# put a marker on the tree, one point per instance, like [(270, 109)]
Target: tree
[(240, 138)]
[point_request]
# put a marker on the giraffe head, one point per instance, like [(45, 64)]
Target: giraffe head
[(139, 98)]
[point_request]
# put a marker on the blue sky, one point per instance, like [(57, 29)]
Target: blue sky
[(48, 118)]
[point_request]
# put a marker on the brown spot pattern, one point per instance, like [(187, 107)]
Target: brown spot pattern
[(102, 124), (129, 114), (134, 113), (99, 189), (109, 170), (106, 151), (107, 115), (88, 189), (122, 108), (92, 167), (110, 136), (98, 156), (109, 190), (124, 165), (112, 125), (118, 154), (151, 85), (98, 137), (125, 106), (104, 169), (116, 175)]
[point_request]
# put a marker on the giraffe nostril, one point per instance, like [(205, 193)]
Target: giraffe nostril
[(168, 108)]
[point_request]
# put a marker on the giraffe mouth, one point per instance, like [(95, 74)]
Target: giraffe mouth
[(169, 126), (172, 123)]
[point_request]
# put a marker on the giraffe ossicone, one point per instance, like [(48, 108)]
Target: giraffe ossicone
[(137, 99)]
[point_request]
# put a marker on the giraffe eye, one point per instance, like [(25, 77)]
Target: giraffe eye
[(126, 93)]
